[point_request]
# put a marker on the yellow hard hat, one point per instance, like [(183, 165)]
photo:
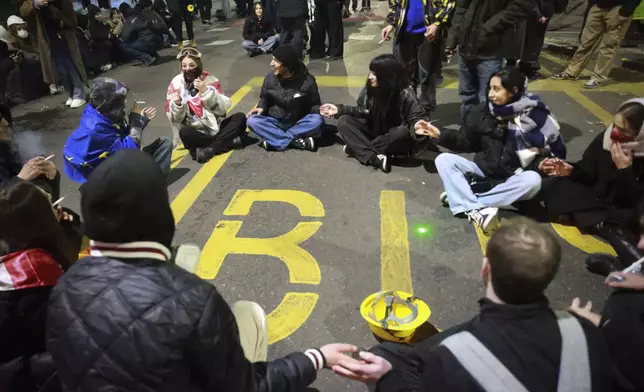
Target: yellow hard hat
[(394, 315)]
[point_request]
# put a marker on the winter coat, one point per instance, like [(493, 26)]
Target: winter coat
[(10, 163), (289, 100), (67, 32), (155, 22), (27, 280), (202, 112), (482, 29), (438, 12), (256, 29), (134, 321), (487, 137), (292, 8), (136, 28)]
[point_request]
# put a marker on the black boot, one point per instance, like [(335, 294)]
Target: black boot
[(204, 154), (625, 247), (601, 264)]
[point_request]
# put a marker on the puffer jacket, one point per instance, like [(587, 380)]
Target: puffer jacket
[(289, 100), (132, 321), (27, 280), (136, 28), (483, 29), (256, 29)]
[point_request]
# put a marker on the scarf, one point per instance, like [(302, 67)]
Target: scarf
[(637, 145), (532, 127)]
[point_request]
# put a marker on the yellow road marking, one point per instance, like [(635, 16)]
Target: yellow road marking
[(307, 204), (562, 62), (179, 153), (289, 315), (590, 106), (482, 237), (585, 242), (395, 268)]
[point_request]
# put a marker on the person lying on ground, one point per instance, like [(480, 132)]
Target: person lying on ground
[(259, 34), (39, 170), (197, 107), (288, 112), (607, 184), (104, 130), (34, 253), (182, 335), (140, 43), (384, 121), (516, 342), (510, 135)]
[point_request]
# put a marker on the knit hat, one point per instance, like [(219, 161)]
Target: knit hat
[(288, 56), (15, 20), (126, 200)]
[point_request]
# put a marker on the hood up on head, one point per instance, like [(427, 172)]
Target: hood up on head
[(108, 96), (637, 145), (126, 200)]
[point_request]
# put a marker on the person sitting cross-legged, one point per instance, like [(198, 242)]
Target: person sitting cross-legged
[(511, 135), (381, 125), (287, 114), (259, 34), (104, 130)]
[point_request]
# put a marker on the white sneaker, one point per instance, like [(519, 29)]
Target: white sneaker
[(69, 101), (106, 67), (485, 218), (443, 199), (76, 103), (53, 89)]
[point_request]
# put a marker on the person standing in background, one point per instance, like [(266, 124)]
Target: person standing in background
[(327, 21), (292, 15), (56, 26), (605, 27), (205, 8), (414, 23), (180, 11)]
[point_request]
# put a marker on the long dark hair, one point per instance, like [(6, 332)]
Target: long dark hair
[(633, 114), (27, 221), (512, 80), (392, 79)]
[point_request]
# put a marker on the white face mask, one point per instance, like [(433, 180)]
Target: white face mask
[(23, 33)]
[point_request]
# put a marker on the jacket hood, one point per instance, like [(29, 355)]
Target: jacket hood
[(108, 96), (126, 200), (638, 144)]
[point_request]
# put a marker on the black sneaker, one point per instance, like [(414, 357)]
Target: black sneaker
[(601, 264), (347, 150), (263, 144), (207, 21), (254, 53), (381, 161), (204, 154), (306, 143)]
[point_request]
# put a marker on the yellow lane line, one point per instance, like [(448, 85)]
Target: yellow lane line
[(179, 153), (584, 242), (395, 268), (289, 315), (562, 62), (306, 203), (482, 237), (590, 106)]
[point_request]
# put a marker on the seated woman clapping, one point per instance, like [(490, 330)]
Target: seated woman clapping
[(197, 107), (600, 192)]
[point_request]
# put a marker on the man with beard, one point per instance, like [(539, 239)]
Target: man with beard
[(386, 119)]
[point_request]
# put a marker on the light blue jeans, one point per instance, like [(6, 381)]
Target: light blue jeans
[(473, 79), (266, 47), (452, 169)]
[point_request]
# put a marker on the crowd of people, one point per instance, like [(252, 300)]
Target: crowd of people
[(129, 317)]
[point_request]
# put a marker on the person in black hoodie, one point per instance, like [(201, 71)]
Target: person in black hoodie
[(259, 33), (139, 41), (480, 30), (103, 45), (35, 251), (182, 335), (288, 112), (384, 121)]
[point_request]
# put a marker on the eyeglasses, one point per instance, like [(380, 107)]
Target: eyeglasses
[(192, 52)]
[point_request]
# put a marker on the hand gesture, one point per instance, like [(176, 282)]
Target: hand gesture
[(149, 112), (50, 170), (425, 128), (430, 32), (542, 20), (328, 110), (385, 34), (585, 312), (61, 215), (261, 41), (336, 352), (628, 281), (561, 168), (200, 85), (176, 98), (34, 168), (621, 158), (255, 111), (369, 370), (547, 166)]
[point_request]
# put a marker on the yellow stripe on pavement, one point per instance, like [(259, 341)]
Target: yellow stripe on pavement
[(590, 106), (289, 315), (395, 268), (584, 242)]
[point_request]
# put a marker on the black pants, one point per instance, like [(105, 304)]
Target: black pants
[(178, 17), (535, 34), (205, 7), (328, 20), (423, 66), (230, 128), (293, 30), (364, 145), (365, 4)]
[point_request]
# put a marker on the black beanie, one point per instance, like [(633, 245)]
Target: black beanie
[(126, 199), (288, 56)]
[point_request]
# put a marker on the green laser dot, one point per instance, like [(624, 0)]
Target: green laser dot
[(422, 230)]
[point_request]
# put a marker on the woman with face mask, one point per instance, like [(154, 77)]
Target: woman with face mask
[(197, 107), (600, 193)]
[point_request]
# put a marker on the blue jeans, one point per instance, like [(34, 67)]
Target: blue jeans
[(279, 135), (69, 75), (452, 168), (267, 46), (474, 76), (139, 50), (161, 151)]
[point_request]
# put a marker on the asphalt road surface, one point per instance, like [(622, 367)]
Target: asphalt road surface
[(309, 235)]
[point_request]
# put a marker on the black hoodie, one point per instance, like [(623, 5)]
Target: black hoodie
[(256, 28)]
